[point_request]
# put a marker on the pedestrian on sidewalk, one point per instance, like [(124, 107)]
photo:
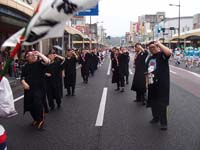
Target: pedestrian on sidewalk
[(53, 74), (32, 79), (70, 72), (158, 82), (139, 80)]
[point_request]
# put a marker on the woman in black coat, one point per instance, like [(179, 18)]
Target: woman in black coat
[(139, 84), (84, 61), (70, 72), (53, 75)]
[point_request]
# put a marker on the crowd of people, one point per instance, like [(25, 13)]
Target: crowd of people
[(151, 77), (190, 56), (42, 79)]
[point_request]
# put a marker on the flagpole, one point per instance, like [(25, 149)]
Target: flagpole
[(17, 46)]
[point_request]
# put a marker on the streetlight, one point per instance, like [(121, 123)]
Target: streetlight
[(179, 12), (97, 38)]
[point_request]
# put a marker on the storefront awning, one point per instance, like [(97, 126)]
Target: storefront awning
[(188, 34), (74, 31)]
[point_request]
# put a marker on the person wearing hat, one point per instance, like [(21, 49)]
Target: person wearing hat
[(32, 79), (52, 75), (70, 72)]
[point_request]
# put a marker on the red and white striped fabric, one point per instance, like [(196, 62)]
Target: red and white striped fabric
[(3, 138)]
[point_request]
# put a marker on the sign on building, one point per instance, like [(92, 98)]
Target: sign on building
[(90, 12)]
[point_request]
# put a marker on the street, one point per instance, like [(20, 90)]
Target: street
[(99, 118)]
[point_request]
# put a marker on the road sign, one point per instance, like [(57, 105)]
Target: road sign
[(90, 12)]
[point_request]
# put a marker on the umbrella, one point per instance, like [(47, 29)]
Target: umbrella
[(58, 47)]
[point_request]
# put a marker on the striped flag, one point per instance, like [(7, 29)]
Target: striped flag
[(49, 20)]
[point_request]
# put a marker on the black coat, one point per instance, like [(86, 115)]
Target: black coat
[(159, 90), (115, 71), (85, 64), (70, 72), (54, 81), (33, 74), (122, 58), (139, 80)]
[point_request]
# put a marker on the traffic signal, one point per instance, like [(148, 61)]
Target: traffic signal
[(159, 29)]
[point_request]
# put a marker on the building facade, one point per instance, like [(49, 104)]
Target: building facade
[(171, 27)]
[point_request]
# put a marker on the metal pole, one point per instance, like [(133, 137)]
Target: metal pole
[(90, 32), (179, 14)]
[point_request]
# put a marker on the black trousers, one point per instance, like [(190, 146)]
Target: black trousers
[(37, 111), (120, 82), (159, 112), (70, 89), (52, 93), (140, 96), (126, 76), (84, 74)]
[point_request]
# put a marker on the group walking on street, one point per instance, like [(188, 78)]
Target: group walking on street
[(43, 78)]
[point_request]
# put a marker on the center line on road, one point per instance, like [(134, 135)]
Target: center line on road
[(100, 116), (109, 67), (173, 72), (130, 72), (17, 99)]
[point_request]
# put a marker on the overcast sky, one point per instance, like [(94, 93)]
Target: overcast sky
[(117, 14)]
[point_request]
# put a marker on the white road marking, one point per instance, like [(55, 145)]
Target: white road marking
[(173, 72), (109, 67), (79, 66), (130, 72), (100, 116), (193, 73), (19, 98)]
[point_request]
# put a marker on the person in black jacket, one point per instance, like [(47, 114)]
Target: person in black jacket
[(115, 67), (158, 82), (127, 59), (70, 72), (84, 61), (122, 64), (53, 74), (139, 80), (32, 79)]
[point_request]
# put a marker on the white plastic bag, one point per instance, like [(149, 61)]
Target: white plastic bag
[(7, 107)]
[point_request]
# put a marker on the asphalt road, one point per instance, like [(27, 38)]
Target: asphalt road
[(83, 123)]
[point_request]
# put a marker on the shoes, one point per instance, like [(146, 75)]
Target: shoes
[(59, 105), (154, 121), (40, 125), (163, 127), (122, 90), (68, 94), (52, 108), (136, 100), (34, 123), (117, 89)]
